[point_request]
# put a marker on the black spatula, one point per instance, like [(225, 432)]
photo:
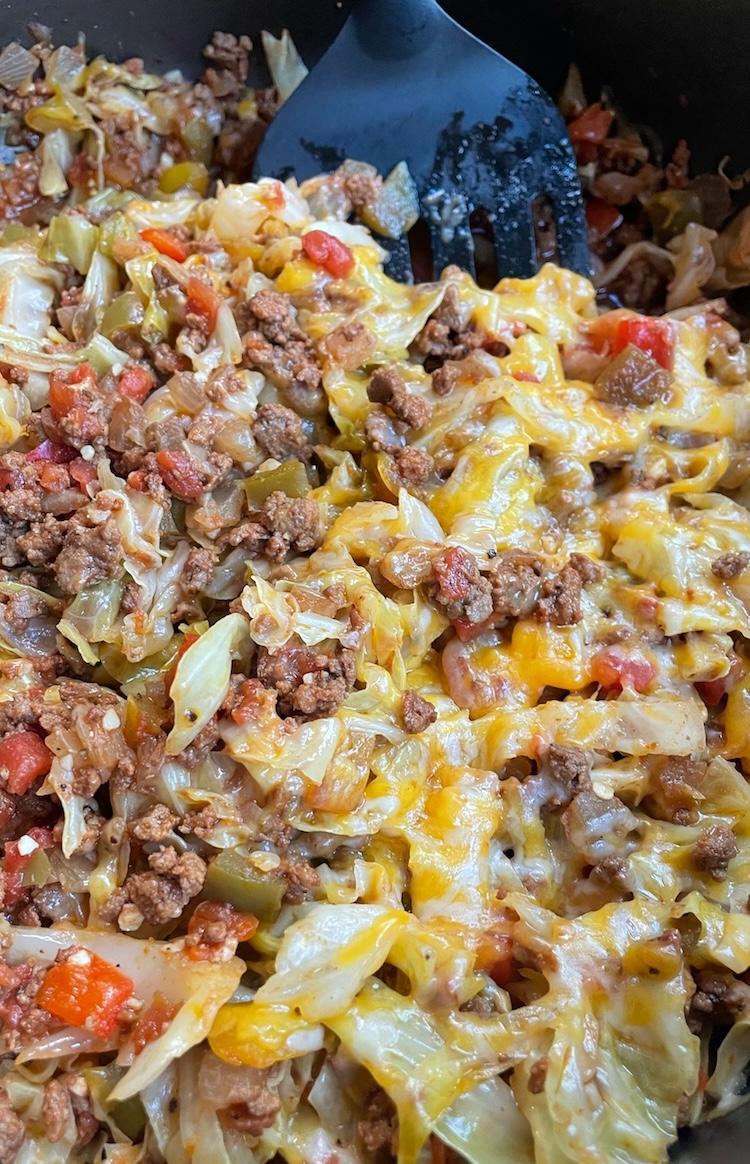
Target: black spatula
[(403, 81)]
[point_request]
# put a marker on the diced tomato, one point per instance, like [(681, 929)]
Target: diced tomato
[(179, 474), (15, 861), (467, 631), (190, 638), (592, 125), (6, 479), (137, 480), (25, 757), (614, 669), (712, 691), (202, 300), (88, 993), (64, 393), (240, 927), (165, 243), (454, 570), (136, 382), (526, 377), (54, 478), (653, 336), (82, 472), (602, 217), (328, 252), (52, 451), (274, 195), (81, 172), (153, 1022), (494, 956)]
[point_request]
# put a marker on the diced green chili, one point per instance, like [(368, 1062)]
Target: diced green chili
[(37, 871), (670, 212), (71, 238), (130, 1117), (233, 879), (289, 478), (124, 312), (396, 208)]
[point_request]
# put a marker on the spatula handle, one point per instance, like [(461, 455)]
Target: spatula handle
[(400, 26)]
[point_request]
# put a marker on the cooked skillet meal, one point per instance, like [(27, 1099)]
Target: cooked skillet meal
[(374, 659)]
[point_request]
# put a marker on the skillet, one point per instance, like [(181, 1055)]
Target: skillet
[(678, 66)]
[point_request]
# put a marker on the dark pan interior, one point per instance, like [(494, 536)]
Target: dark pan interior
[(681, 67)]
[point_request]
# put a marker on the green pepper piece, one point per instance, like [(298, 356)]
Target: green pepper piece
[(199, 140), (70, 238), (124, 312), (190, 174), (17, 232), (396, 208), (670, 212), (289, 478), (37, 871), (233, 879), (130, 1117), (117, 226)]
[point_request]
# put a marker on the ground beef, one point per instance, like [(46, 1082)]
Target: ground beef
[(161, 894), (57, 1110), (89, 554), (414, 466), (639, 286), (378, 1127), (293, 524), (279, 431), (308, 682), (19, 185), (418, 713), (362, 188), (301, 879), (349, 346), (199, 569), (571, 766), (274, 344), (44, 540), (246, 1103), (10, 531), (538, 1075), (201, 823), (445, 377), (714, 849), (459, 587), (516, 581), (730, 565), (719, 995), (388, 387), (23, 497), (167, 360), (449, 333), (12, 1130), (155, 825), (230, 53), (674, 794), (383, 433), (560, 598)]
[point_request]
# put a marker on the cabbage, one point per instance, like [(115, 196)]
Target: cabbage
[(285, 65), (198, 988), (28, 288), (202, 679), (485, 1126)]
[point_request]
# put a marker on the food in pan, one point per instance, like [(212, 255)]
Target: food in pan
[(374, 672)]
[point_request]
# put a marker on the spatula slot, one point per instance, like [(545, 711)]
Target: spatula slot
[(545, 230), (483, 237)]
